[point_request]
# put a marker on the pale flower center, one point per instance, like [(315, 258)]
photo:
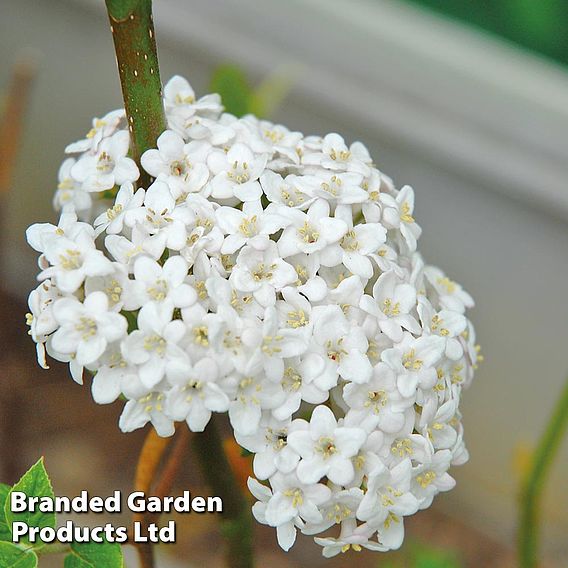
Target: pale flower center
[(333, 187), (262, 272), (297, 496), (292, 381), (201, 335), (152, 402), (114, 211), (105, 163), (155, 343), (405, 214), (248, 227), (349, 242), (402, 448), (426, 478), (308, 233), (159, 290), (335, 350), (326, 447), (113, 291), (410, 362), (297, 319), (390, 308), (193, 387), (87, 326), (239, 172), (376, 400), (71, 260)]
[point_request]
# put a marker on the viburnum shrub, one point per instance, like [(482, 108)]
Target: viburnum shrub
[(275, 277)]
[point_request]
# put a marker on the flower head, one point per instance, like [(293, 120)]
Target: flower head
[(274, 277)]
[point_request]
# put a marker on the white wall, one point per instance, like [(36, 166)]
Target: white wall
[(487, 219)]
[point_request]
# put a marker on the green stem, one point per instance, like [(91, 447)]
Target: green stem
[(135, 45), (132, 30), (535, 482), (236, 520)]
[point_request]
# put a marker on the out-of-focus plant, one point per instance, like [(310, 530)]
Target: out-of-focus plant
[(240, 97), (25, 554), (423, 556), (535, 482)]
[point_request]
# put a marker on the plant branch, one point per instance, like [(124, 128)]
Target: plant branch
[(132, 30), (535, 482), (236, 522), (148, 462)]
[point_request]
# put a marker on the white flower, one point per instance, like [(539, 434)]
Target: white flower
[(71, 261), (126, 210), (413, 361), (351, 538), (113, 375), (236, 173), (359, 242), (432, 477), (285, 191), (262, 272), (270, 447), (391, 304), (388, 497), (335, 155), (378, 401), (102, 128), (338, 189), (311, 232), (398, 215), (85, 329), (69, 195), (40, 317), (291, 498), (182, 166), (247, 227), (450, 294), (445, 323), (196, 393), (342, 346), (153, 346), (286, 532), (148, 408), (166, 222), (110, 166), (253, 395), (116, 285), (326, 448), (161, 284)]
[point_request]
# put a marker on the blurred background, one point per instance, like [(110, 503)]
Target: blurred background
[(465, 100)]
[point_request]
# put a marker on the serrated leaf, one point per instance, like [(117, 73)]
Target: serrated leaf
[(94, 555), (5, 533), (34, 483), (11, 556)]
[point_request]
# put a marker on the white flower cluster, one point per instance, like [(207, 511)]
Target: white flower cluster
[(275, 277)]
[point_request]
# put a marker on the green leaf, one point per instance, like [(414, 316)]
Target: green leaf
[(94, 555), (11, 556), (5, 532), (236, 93), (34, 483)]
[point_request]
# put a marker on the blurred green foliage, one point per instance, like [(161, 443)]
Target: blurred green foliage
[(420, 555), (538, 25), (240, 97)]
